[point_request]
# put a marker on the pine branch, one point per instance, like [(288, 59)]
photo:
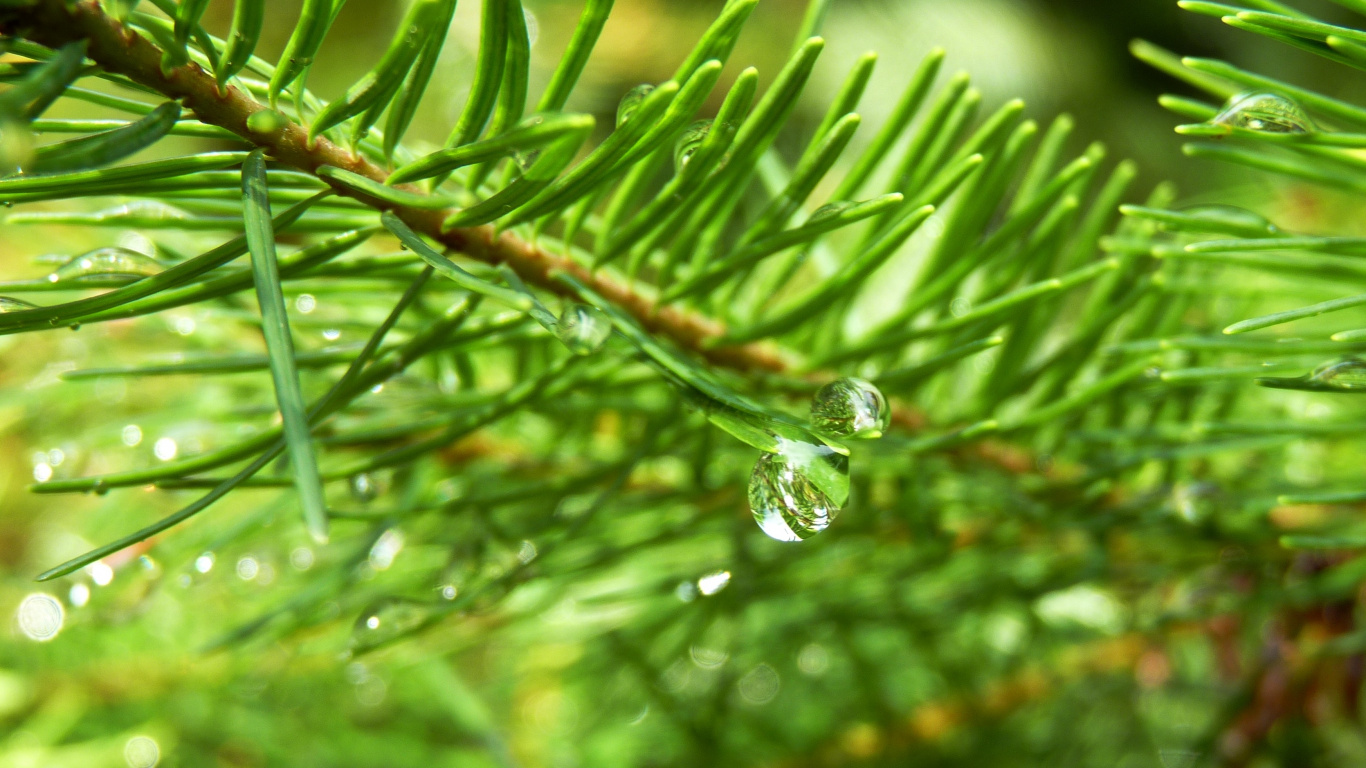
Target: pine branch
[(118, 49)]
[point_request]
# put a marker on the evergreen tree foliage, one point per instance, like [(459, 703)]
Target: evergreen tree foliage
[(457, 451)]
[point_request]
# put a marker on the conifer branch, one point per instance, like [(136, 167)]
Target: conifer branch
[(118, 49)]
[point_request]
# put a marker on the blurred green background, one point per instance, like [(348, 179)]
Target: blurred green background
[(130, 660)]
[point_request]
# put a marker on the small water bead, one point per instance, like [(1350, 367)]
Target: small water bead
[(525, 160), (850, 407), (266, 121), (8, 304), (690, 142), (40, 617), (796, 493), (112, 262), (829, 211), (583, 329), (1264, 112), (364, 488), (630, 103), (387, 619)]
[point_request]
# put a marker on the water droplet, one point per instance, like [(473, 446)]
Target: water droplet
[(363, 488), (331, 334), (385, 549), (525, 160), (630, 103), (40, 616), (686, 591), (797, 493), (8, 304), (266, 121), (132, 435), (1195, 502), (42, 472), (711, 583), (100, 573), (850, 407), (829, 211), (306, 303), (79, 595), (387, 619), (56, 456), (449, 591), (689, 143), (111, 262), (165, 448), (1340, 376), (526, 552), (204, 563), (1264, 112), (141, 752), (1343, 375), (583, 329)]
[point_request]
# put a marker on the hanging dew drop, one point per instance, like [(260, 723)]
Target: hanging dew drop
[(850, 408), (1264, 112), (689, 143), (583, 329), (8, 304), (630, 103), (112, 262), (387, 619), (797, 492)]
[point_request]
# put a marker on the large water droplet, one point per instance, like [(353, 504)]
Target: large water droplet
[(113, 262), (689, 143), (796, 493), (387, 619), (8, 304), (583, 329), (630, 103), (850, 408), (1264, 112)]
